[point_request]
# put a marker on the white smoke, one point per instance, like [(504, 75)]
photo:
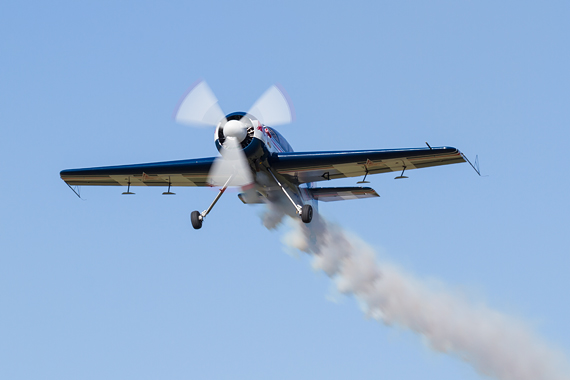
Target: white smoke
[(493, 343)]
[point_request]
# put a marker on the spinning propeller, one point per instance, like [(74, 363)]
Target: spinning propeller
[(199, 107)]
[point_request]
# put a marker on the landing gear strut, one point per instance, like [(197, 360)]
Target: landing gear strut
[(306, 212), (197, 218)]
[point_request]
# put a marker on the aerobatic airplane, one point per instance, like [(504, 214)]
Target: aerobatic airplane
[(258, 159)]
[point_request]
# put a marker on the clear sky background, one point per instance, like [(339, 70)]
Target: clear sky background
[(118, 287)]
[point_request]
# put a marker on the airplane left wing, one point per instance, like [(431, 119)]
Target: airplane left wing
[(175, 173), (303, 167)]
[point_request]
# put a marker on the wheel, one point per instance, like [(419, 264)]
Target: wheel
[(196, 219), (307, 213)]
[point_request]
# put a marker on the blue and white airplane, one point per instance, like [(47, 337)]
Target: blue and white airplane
[(258, 159)]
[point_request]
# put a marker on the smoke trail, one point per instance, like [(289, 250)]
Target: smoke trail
[(493, 343)]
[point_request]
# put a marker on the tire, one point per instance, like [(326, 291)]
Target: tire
[(307, 213), (196, 220)]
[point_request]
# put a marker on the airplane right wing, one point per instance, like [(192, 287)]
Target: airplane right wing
[(175, 173)]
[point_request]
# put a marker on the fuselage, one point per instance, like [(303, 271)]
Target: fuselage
[(261, 143)]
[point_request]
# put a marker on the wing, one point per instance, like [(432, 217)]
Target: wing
[(320, 166), (177, 173), (330, 194)]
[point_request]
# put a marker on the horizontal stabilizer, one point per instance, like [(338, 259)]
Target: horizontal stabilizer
[(330, 194), (250, 197)]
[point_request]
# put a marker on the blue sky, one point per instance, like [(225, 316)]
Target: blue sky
[(123, 287)]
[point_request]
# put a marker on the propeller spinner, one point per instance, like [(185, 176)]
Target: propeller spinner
[(235, 129)]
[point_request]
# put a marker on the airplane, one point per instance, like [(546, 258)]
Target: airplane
[(255, 157)]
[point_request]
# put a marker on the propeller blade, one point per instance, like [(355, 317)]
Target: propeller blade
[(232, 166), (199, 106), (273, 107)]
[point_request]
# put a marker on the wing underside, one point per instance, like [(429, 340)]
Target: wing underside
[(175, 173), (296, 167), (321, 166)]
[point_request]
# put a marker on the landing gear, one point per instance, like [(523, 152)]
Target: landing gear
[(307, 213), (196, 219)]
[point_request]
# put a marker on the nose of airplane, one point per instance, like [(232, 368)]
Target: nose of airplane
[(236, 129)]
